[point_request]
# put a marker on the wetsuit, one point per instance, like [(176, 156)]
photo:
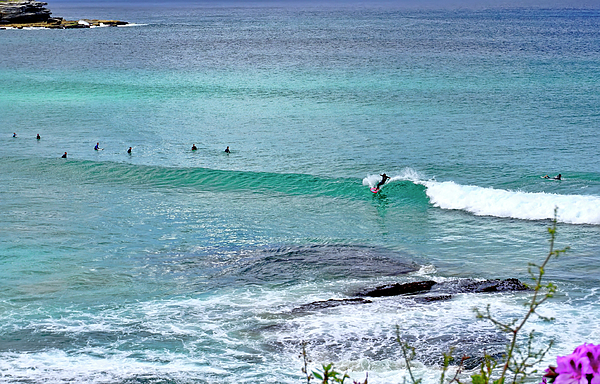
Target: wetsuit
[(384, 178)]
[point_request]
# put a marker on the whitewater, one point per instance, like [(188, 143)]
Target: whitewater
[(481, 201)]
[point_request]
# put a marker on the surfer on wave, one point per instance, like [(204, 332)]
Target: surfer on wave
[(384, 178)]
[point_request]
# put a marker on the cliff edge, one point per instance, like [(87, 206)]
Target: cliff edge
[(30, 13), (23, 12)]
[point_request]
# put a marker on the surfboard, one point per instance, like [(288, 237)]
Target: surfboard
[(374, 189)]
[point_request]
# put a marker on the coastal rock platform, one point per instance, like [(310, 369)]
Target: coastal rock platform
[(34, 14)]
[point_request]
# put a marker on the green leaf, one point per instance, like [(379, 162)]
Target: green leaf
[(478, 379)]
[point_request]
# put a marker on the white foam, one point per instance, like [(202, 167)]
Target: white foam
[(480, 201)]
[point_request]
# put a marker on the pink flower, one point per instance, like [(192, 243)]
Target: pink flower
[(580, 367)]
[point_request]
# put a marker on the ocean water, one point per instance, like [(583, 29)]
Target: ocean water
[(172, 266)]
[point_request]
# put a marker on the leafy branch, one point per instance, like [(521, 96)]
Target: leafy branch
[(517, 362)]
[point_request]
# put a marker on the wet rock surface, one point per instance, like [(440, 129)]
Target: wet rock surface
[(399, 289), (446, 288), (427, 291)]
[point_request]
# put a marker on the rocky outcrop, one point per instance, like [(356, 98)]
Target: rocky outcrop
[(426, 291), (21, 12), (29, 13), (446, 288), (399, 289)]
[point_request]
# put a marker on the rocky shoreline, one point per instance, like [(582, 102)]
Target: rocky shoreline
[(34, 14), (427, 291)]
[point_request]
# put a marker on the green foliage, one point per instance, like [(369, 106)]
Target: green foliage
[(485, 372), (327, 374), (408, 353)]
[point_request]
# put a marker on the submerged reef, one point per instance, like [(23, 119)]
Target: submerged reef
[(29, 13)]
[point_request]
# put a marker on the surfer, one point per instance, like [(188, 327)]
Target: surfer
[(384, 178), (194, 147), (64, 156), (227, 150), (97, 147), (545, 177), (558, 177), (38, 136), (14, 134), (129, 150)]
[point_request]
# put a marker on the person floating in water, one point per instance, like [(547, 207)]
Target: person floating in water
[(64, 156), (97, 147), (38, 136), (227, 150), (557, 177), (194, 147), (384, 178), (129, 150)]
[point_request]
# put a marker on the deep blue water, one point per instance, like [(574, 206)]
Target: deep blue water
[(168, 265)]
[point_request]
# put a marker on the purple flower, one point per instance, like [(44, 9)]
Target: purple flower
[(580, 367)]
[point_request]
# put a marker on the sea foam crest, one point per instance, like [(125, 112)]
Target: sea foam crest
[(573, 209)]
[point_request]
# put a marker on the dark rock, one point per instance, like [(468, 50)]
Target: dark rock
[(27, 11), (446, 288), (399, 289), (329, 304), (474, 286), (431, 298)]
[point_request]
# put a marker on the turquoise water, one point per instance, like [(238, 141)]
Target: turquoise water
[(172, 266)]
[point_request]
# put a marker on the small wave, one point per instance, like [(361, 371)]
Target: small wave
[(480, 201), (485, 201)]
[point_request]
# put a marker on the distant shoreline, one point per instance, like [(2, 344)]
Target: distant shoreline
[(19, 14), (66, 24)]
